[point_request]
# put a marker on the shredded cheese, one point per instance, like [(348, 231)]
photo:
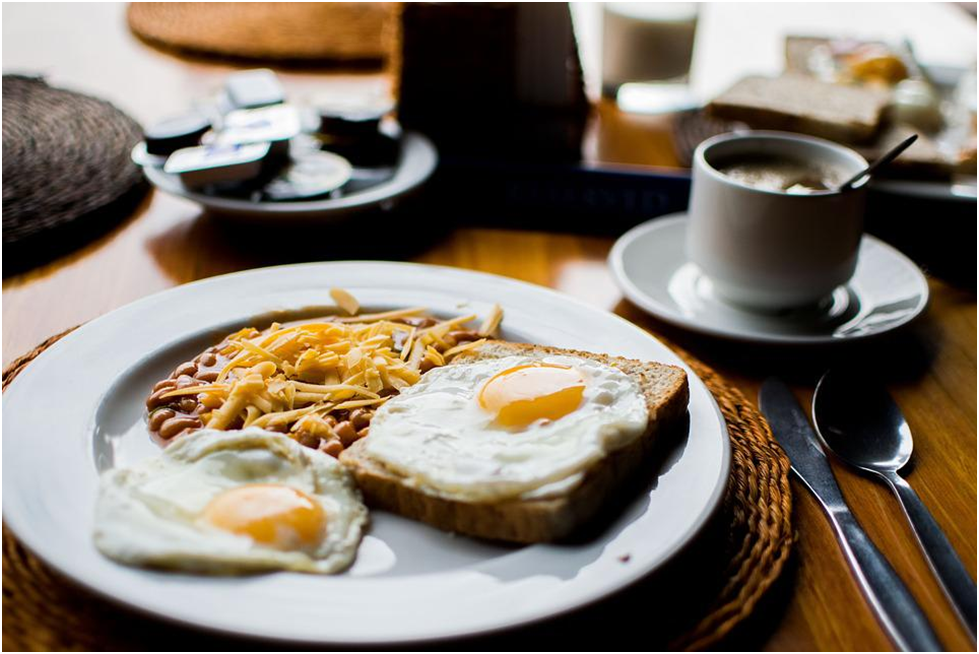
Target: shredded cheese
[(345, 301), (292, 377), (492, 322)]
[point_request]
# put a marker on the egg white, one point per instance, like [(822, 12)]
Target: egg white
[(148, 514), (437, 436)]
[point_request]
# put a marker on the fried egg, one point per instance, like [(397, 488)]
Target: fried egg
[(516, 426), (230, 502)]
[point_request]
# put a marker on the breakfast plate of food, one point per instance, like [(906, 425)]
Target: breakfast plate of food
[(359, 453)]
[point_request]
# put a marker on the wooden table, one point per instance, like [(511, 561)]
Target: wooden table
[(931, 368)]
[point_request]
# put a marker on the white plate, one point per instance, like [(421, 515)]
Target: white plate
[(415, 165), (649, 265), (79, 407)]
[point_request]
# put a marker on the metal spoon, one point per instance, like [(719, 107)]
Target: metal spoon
[(860, 423), (884, 159)]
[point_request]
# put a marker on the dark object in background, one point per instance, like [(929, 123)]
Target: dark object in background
[(357, 131), (605, 200), (378, 150), (493, 80), (939, 235), (172, 134), (498, 87), (352, 120), (67, 173)]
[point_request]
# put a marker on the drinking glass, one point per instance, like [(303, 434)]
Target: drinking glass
[(646, 53)]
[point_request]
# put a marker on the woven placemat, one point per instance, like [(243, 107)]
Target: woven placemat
[(281, 32), (67, 174), (44, 611)]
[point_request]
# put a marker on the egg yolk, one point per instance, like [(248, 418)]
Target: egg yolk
[(277, 516), (539, 391)]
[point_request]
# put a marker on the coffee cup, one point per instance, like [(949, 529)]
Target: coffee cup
[(767, 225)]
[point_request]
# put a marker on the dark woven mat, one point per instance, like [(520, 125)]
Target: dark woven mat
[(67, 175), (751, 538), (300, 33)]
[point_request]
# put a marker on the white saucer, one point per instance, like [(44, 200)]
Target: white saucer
[(649, 265)]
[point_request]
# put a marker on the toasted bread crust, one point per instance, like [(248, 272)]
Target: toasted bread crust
[(533, 520)]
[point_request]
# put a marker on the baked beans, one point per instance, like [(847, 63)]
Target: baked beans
[(332, 447), (172, 416), (159, 416), (360, 418), (178, 424)]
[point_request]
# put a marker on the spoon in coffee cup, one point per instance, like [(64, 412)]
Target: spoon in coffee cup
[(887, 158)]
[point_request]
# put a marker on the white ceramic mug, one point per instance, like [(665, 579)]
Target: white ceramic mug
[(772, 250)]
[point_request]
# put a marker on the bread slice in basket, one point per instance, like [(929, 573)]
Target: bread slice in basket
[(798, 103), (664, 388)]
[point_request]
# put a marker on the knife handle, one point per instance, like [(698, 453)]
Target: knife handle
[(944, 560), (890, 599)]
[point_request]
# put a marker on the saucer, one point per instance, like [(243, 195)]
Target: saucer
[(650, 267)]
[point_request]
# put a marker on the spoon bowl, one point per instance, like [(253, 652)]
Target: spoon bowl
[(860, 423)]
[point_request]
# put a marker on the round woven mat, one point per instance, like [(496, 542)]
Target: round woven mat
[(67, 174), (44, 611), (297, 32)]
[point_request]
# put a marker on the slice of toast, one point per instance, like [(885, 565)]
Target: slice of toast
[(538, 519), (798, 103)]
